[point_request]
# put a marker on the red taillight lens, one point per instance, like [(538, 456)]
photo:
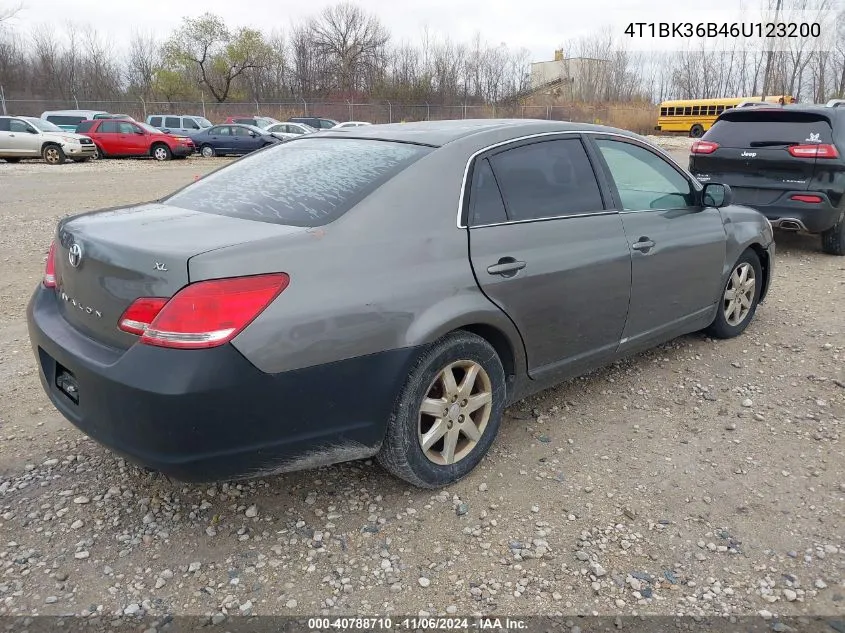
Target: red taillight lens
[(814, 151), (704, 147), (203, 314), (140, 315), (800, 197), (50, 268)]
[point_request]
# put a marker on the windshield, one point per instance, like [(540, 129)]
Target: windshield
[(41, 124), (149, 128), (203, 123), (304, 182)]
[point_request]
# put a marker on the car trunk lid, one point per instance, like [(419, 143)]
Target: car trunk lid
[(104, 261), (753, 153)]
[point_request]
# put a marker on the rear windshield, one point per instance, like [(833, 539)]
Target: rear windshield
[(769, 129), (304, 182)]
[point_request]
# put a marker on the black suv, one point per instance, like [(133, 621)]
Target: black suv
[(316, 122), (785, 161)]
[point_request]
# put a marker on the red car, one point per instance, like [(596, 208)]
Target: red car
[(129, 138)]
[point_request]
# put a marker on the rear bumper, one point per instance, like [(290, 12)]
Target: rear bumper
[(794, 215), (210, 415)]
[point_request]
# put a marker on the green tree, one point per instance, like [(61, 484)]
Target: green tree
[(217, 54)]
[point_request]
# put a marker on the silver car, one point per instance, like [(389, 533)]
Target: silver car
[(31, 137), (385, 294)]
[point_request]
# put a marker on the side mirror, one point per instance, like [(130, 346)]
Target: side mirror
[(166, 130), (717, 195)]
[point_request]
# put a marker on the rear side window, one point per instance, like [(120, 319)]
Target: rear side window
[(546, 180), (305, 182), (65, 120), (84, 127), (744, 128), (172, 121), (108, 127), (486, 206), (155, 121)]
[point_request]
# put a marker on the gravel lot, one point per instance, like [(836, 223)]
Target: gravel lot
[(700, 478)]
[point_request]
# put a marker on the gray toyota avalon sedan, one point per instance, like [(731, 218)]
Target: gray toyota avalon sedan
[(382, 291)]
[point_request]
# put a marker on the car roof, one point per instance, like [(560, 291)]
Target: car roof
[(828, 112), (437, 133), (72, 112)]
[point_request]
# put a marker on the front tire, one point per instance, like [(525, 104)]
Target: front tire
[(53, 155), (161, 152), (833, 240), (447, 414), (207, 151), (739, 298)]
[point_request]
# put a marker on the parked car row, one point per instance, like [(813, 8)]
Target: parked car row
[(80, 135)]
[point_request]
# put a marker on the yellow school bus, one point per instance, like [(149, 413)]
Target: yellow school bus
[(695, 116)]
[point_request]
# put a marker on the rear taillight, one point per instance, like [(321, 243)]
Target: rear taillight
[(801, 197), (50, 267), (141, 314), (814, 151), (704, 147), (203, 314)]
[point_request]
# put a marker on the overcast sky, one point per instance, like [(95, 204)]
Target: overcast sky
[(537, 25)]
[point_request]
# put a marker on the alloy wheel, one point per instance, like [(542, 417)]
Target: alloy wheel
[(454, 412), (739, 294), (51, 155), (160, 153)]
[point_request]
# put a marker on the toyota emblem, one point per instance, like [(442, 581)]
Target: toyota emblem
[(74, 255)]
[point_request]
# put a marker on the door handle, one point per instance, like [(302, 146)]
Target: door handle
[(643, 244), (507, 267)]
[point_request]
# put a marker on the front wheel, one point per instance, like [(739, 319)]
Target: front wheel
[(161, 152), (53, 155), (739, 299), (447, 414), (833, 240), (207, 151)]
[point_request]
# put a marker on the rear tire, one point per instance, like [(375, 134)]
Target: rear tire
[(833, 240), (207, 151), (463, 413), (696, 131), (53, 155), (161, 152), (740, 298)]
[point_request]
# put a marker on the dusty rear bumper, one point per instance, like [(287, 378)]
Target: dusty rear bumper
[(208, 415)]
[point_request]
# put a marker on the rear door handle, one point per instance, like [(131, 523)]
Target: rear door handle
[(507, 267), (643, 244)]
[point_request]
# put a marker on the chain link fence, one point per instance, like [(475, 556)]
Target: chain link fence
[(638, 118)]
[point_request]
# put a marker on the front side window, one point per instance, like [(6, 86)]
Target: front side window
[(547, 179), (644, 180), (16, 125), (306, 182), (108, 127), (190, 124), (127, 128)]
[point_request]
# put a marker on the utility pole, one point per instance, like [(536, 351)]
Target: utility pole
[(770, 53)]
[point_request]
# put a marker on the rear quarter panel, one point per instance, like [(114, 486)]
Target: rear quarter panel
[(392, 272), (745, 228)]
